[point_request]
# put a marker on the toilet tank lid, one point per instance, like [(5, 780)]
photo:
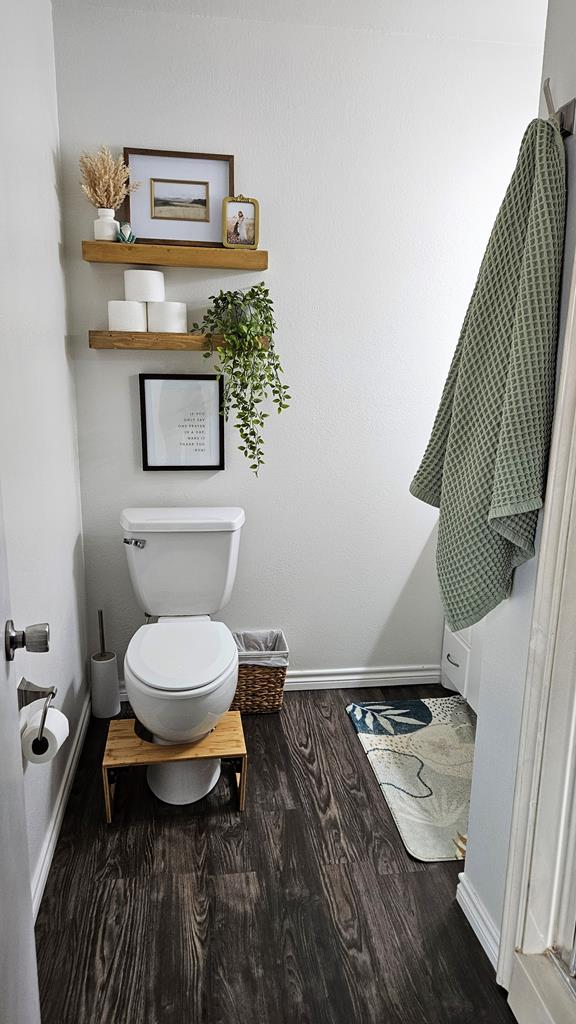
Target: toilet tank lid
[(191, 520)]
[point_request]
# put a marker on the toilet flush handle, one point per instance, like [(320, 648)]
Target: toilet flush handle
[(135, 542)]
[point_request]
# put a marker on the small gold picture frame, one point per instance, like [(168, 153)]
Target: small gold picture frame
[(240, 222)]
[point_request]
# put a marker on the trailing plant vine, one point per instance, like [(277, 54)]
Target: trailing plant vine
[(251, 371)]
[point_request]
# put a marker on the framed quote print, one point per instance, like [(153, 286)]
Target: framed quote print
[(179, 201), (182, 423)]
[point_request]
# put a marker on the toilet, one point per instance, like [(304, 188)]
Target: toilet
[(181, 670)]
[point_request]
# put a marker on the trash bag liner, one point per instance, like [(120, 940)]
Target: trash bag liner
[(265, 647)]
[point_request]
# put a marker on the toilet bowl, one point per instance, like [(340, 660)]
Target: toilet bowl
[(181, 671), (181, 676)]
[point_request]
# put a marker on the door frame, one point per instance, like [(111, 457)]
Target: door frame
[(19, 996), (543, 834)]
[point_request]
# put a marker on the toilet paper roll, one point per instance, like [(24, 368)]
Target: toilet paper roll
[(126, 316), (144, 285), (55, 731), (168, 317), (28, 712), (105, 688)]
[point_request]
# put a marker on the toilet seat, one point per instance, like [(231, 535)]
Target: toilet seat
[(177, 656)]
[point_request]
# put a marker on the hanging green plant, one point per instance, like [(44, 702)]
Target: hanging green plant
[(247, 361)]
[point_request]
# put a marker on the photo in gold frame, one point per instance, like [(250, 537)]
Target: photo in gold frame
[(240, 222)]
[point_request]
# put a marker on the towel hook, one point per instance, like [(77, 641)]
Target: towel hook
[(564, 115), (548, 98)]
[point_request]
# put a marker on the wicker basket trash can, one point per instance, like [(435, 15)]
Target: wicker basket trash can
[(262, 662)]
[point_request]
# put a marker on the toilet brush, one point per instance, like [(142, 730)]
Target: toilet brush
[(104, 677)]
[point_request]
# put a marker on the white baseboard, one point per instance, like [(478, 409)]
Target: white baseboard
[(344, 678), (539, 992), (40, 874), (478, 917)]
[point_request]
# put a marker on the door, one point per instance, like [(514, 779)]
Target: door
[(539, 919), (19, 1003)]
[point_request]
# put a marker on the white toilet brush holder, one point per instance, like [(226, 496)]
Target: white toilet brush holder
[(105, 688)]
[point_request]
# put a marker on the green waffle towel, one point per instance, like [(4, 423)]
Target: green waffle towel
[(485, 464)]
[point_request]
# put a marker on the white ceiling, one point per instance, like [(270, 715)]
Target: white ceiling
[(520, 21)]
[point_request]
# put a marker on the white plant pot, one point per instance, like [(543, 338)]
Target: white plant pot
[(105, 227)]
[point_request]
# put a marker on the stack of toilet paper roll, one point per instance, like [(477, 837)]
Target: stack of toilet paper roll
[(144, 308)]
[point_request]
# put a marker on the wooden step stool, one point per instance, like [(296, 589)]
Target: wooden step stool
[(124, 748)]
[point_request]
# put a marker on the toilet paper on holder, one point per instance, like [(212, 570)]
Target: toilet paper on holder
[(43, 730)]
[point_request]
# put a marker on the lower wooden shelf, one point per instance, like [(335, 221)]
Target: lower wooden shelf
[(153, 341), (148, 340)]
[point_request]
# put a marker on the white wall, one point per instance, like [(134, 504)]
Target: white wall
[(507, 629), (379, 139), (38, 454), (559, 56)]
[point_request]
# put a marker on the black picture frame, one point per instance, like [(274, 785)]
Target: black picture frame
[(145, 429)]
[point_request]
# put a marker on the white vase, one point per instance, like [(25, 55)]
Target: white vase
[(105, 227)]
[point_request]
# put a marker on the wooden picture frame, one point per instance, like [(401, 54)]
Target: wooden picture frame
[(215, 170), (240, 205), (174, 423)]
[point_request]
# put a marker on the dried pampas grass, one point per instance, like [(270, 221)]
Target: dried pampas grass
[(104, 179)]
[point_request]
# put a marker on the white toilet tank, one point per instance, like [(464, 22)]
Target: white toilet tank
[(182, 561)]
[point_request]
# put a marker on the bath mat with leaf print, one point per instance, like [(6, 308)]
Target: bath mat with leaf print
[(421, 752)]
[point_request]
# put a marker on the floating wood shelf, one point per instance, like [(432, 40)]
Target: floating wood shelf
[(152, 341), (175, 255), (145, 339)]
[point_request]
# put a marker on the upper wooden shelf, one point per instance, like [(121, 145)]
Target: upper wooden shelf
[(175, 255)]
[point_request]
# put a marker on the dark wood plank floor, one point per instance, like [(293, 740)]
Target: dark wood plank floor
[(305, 909)]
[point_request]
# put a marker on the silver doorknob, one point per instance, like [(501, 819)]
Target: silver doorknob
[(35, 638)]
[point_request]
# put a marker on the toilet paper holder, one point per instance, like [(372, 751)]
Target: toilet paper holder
[(36, 746), (28, 692)]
